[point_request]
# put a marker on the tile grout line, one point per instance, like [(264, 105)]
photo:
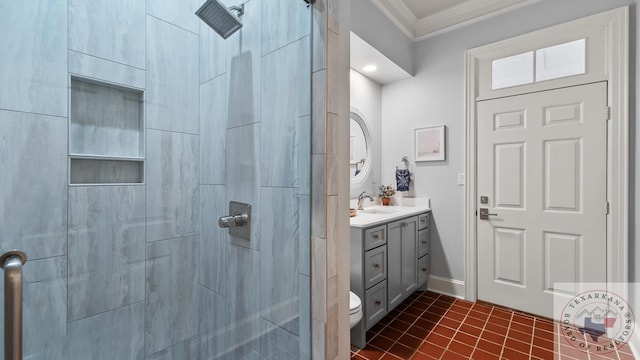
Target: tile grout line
[(484, 326), (430, 331), (436, 325), (458, 330), (533, 336), (520, 332), (405, 331), (385, 352), (504, 342)]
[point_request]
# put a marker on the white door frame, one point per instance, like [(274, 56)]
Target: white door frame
[(607, 61)]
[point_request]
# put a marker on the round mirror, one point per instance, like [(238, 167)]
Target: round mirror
[(359, 149)]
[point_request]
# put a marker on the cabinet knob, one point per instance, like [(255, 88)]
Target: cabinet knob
[(378, 302), (376, 236), (424, 241), (376, 265), (424, 269)]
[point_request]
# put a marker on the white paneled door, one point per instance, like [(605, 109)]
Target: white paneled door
[(542, 168)]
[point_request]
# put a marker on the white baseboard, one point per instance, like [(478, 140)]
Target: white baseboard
[(447, 286), (634, 343)]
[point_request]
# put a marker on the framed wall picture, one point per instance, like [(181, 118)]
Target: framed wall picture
[(429, 143)]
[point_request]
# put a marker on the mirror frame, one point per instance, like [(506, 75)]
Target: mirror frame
[(366, 169)]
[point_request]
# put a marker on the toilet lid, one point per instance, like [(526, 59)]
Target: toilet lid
[(354, 302)]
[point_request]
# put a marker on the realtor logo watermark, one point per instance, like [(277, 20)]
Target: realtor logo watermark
[(597, 321)]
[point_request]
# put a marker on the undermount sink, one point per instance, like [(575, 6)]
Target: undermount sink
[(378, 211)]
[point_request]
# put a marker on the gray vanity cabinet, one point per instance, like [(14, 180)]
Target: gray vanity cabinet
[(402, 250), (389, 261)]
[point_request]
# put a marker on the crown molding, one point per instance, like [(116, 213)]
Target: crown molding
[(461, 14), (453, 17), (399, 14)]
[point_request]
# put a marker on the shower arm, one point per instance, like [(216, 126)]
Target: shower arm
[(238, 9)]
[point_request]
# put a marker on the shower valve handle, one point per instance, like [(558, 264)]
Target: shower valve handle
[(238, 221), (232, 221)]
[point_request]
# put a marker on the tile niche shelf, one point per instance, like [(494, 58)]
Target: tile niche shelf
[(106, 134)]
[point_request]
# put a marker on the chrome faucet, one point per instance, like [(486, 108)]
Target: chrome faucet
[(361, 198)]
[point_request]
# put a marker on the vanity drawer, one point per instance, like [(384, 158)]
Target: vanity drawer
[(375, 266), (375, 237), (424, 267), (376, 304), (423, 221), (423, 242)]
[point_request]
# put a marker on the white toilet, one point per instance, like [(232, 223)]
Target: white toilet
[(355, 309)]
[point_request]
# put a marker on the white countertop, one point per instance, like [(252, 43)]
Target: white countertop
[(375, 215)]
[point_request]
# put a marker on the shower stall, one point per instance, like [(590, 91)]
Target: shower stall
[(126, 129)]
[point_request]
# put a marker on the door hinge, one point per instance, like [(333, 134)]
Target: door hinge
[(608, 113), (607, 208)]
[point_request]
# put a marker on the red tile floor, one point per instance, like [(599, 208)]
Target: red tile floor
[(432, 326)]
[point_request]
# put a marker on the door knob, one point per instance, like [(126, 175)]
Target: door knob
[(484, 214)]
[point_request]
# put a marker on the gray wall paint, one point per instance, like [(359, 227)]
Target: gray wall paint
[(366, 97), (435, 96), (368, 22)]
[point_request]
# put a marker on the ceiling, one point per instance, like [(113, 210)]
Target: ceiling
[(419, 19), (363, 54), (424, 8)]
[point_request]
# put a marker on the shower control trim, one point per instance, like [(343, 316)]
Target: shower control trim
[(232, 221), (238, 221)]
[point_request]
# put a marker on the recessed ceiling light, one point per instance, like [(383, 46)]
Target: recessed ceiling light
[(370, 68)]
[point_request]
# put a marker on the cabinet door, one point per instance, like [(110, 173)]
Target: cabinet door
[(394, 263), (402, 274), (409, 256)]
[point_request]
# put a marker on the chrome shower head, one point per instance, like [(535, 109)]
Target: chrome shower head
[(219, 18)]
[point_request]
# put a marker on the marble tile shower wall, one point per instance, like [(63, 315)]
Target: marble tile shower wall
[(143, 271)]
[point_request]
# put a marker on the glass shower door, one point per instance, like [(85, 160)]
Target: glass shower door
[(126, 128)]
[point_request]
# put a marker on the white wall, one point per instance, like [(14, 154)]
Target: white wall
[(435, 96), (370, 24), (366, 97)]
